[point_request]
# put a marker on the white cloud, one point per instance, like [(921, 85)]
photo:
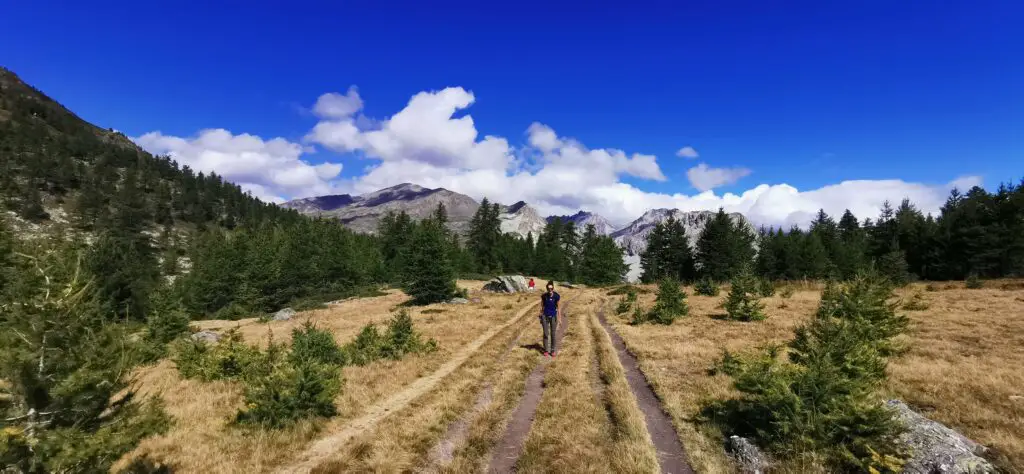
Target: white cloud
[(705, 178), (687, 152), (424, 131), (271, 169), (431, 142), (333, 105)]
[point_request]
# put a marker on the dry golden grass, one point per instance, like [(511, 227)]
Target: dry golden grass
[(202, 439), (965, 367), (631, 443), (487, 426), (402, 441), (571, 430), (965, 364)]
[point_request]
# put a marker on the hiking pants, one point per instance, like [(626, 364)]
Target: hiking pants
[(549, 323)]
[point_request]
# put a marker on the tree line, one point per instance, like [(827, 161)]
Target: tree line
[(560, 252), (976, 234)]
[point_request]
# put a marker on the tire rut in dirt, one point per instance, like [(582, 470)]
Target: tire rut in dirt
[(320, 449), (510, 447), (671, 455), (457, 431)]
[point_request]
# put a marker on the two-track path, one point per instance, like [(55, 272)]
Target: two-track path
[(510, 447), (671, 455), (323, 448)]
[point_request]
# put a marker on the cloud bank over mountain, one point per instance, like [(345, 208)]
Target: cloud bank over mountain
[(433, 142)]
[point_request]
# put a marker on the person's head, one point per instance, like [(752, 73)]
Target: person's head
[(551, 286)]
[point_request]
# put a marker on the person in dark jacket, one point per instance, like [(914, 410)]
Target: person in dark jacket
[(549, 317)]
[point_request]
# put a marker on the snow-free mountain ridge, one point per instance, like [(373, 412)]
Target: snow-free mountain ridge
[(361, 213), (583, 218)]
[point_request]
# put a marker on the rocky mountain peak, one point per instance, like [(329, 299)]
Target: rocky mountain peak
[(522, 219), (583, 218)]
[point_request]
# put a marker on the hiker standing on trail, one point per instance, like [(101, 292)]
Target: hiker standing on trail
[(530, 285), (549, 317)]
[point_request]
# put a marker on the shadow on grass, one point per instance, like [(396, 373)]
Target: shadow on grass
[(146, 465), (533, 347)]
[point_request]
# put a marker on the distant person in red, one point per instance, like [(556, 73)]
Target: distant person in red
[(531, 284)]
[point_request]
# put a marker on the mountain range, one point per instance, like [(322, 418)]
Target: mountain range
[(362, 212), (60, 161)]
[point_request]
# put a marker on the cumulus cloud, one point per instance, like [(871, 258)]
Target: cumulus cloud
[(270, 169), (333, 105), (687, 152), (425, 131), (705, 178), (434, 143)]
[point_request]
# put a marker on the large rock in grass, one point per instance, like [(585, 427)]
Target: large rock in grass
[(748, 457), (284, 314), (507, 284), (208, 337), (935, 448)]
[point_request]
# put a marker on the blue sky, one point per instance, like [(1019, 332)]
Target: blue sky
[(808, 95)]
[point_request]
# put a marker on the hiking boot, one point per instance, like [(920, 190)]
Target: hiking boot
[(553, 355), (546, 354)]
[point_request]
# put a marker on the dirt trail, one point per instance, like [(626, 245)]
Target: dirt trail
[(671, 455), (510, 447), (443, 451), (325, 447)]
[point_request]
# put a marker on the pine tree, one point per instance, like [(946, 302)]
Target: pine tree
[(441, 215), (72, 407), (744, 300), (679, 255), (31, 206), (825, 400), (653, 258), (724, 248), (850, 255), (893, 265), (122, 260), (430, 277), (484, 236), (767, 261), (7, 261), (814, 260), (210, 283), (601, 259), (571, 248), (395, 231), (551, 258), (670, 302)]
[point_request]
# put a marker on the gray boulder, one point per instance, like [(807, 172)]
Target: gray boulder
[(284, 314), (935, 448), (458, 301), (206, 336), (748, 457), (507, 284)]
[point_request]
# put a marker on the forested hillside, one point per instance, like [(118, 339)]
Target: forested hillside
[(977, 234), (107, 253)]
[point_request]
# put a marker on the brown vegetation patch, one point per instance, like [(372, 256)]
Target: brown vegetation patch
[(963, 367), (202, 439)]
